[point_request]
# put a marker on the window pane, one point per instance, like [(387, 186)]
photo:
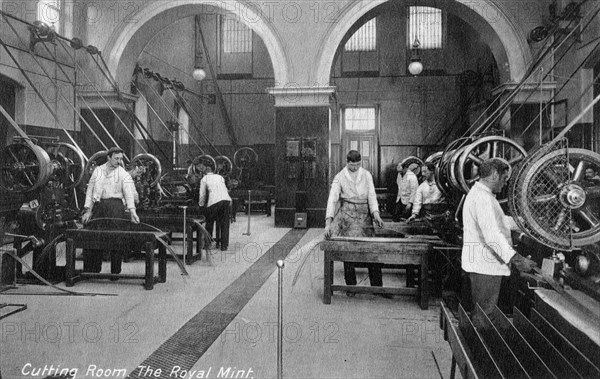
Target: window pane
[(48, 11), (425, 24), (237, 37), (359, 118), (364, 39), (184, 127)]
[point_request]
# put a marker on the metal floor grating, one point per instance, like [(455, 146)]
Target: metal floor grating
[(194, 338)]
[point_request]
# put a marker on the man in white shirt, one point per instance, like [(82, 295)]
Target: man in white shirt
[(407, 189), (215, 196), (487, 244), (109, 193), (352, 209), (428, 196)]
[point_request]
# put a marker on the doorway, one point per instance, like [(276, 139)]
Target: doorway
[(360, 125)]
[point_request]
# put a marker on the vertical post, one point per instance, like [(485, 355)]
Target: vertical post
[(185, 234), (249, 210), (541, 106), (280, 265)]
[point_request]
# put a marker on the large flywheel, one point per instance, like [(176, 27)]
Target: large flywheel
[(444, 166), (24, 167), (245, 158), (206, 160), (467, 168), (152, 169), (552, 201), (223, 165), (68, 164)]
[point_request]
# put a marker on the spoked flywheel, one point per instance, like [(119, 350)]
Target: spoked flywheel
[(554, 202)]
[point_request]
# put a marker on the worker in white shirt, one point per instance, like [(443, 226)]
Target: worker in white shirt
[(109, 193), (428, 196), (407, 189), (352, 209), (487, 245), (215, 196)]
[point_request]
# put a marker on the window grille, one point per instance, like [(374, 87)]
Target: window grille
[(184, 127), (237, 37), (425, 24), (48, 11), (359, 118), (364, 39)]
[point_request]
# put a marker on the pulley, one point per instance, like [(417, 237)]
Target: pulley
[(97, 159), (443, 167), (152, 168), (223, 165), (206, 160), (467, 167), (434, 158), (24, 167), (68, 164), (245, 158), (412, 160), (552, 201)]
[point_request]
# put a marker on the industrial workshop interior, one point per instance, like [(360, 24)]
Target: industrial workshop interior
[(300, 189)]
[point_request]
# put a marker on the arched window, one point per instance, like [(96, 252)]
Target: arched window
[(364, 39)]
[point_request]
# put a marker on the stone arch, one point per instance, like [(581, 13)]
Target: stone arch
[(128, 40), (512, 48)]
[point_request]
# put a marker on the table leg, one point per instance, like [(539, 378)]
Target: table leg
[(453, 368), (198, 242), (327, 278), (149, 284), (189, 237), (70, 263), (162, 263), (424, 285)]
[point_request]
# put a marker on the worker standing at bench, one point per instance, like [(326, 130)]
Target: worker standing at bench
[(109, 193), (351, 209), (487, 244)]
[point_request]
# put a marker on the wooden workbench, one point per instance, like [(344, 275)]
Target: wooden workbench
[(117, 240), (173, 223), (413, 250)]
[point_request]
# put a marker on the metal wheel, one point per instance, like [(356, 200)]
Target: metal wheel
[(442, 173), (223, 165), (245, 157), (207, 160), (553, 202), (68, 164), (434, 158), (152, 168), (482, 149), (97, 159), (413, 160), (24, 167)]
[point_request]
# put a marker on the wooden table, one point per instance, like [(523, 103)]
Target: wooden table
[(117, 240), (173, 222), (414, 250)]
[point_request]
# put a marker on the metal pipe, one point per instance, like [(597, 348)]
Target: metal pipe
[(249, 210), (280, 266)]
